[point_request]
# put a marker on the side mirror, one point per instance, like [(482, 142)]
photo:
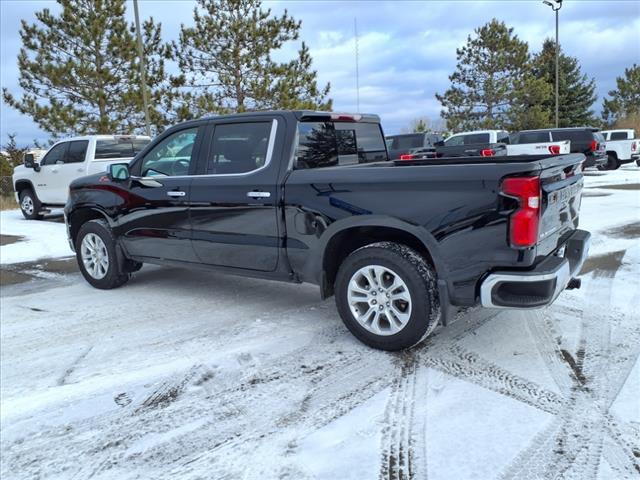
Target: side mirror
[(119, 171), (29, 160), (439, 143)]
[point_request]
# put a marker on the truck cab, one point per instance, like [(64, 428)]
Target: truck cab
[(43, 181)]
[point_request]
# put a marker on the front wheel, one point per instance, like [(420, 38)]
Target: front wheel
[(387, 297), (96, 255), (30, 205)]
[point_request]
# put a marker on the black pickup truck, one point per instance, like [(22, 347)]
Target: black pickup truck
[(311, 197)]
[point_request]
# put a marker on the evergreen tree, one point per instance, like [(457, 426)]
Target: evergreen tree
[(484, 83), (227, 54), (79, 70), (624, 101), (576, 90), (528, 108), (420, 126), (11, 156)]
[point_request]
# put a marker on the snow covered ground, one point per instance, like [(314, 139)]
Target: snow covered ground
[(196, 375), (47, 239)]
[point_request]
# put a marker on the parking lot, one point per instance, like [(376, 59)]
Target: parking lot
[(184, 374)]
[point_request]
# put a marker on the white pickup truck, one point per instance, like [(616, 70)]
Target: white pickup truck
[(44, 184), (622, 146)]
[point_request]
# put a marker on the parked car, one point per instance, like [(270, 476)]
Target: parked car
[(310, 197), (536, 143), (405, 144), (40, 184), (585, 140), (622, 147)]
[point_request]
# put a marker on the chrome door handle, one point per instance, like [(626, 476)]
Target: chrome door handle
[(176, 193), (258, 194)]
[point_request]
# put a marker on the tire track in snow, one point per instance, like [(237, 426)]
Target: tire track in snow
[(398, 454), (575, 442)]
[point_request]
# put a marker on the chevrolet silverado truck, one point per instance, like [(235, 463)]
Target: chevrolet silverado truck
[(43, 181), (304, 196), (622, 147)]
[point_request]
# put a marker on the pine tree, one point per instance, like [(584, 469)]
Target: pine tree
[(484, 83), (228, 56), (624, 101), (11, 156), (528, 108), (79, 70), (576, 90)]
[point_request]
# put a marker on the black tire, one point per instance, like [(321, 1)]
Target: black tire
[(114, 276), (612, 162), (414, 271), (30, 206)]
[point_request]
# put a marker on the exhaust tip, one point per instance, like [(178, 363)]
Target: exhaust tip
[(574, 283)]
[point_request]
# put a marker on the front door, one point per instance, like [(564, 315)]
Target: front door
[(48, 181), (156, 223), (234, 197)]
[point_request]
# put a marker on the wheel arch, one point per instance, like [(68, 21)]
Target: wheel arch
[(80, 216), (340, 241), (23, 184)]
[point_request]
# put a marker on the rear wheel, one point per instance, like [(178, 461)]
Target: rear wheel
[(612, 163), (30, 205), (387, 297), (96, 255)]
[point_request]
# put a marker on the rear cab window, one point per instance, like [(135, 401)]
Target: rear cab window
[(330, 144)]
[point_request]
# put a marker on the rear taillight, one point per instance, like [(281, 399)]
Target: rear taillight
[(594, 145), (524, 222), (634, 145), (487, 152), (554, 149), (407, 156)]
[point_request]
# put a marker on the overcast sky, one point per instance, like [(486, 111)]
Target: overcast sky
[(407, 49)]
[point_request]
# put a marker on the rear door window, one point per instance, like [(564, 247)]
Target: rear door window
[(239, 148), (77, 151)]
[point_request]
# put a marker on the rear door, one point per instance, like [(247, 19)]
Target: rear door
[(234, 197), (156, 221)]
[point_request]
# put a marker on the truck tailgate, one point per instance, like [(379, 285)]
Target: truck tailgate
[(561, 185)]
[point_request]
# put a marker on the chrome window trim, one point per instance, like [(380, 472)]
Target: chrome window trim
[(268, 156)]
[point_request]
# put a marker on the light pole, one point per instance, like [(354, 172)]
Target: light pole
[(555, 6), (143, 70)]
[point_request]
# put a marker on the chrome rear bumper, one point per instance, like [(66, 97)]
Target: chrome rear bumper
[(541, 286)]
